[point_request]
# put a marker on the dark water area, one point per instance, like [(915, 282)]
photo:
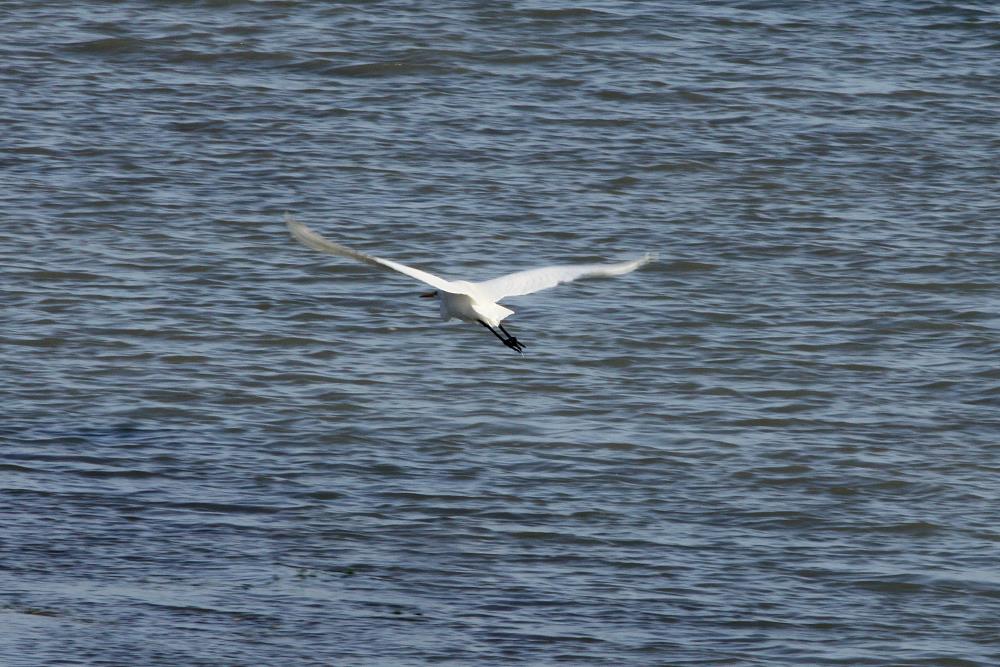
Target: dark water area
[(778, 445)]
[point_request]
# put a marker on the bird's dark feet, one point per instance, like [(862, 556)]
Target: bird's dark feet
[(514, 344), (510, 341)]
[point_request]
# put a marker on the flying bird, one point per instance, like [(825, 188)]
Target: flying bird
[(475, 302)]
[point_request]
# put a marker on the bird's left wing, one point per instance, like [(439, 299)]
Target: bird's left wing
[(535, 280), (313, 240)]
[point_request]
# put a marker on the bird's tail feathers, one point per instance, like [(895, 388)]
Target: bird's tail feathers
[(492, 313)]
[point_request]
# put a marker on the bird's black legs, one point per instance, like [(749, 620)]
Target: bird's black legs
[(512, 339), (509, 341), (492, 330)]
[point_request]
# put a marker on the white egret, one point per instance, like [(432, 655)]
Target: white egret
[(475, 302)]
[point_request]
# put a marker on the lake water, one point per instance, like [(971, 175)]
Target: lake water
[(778, 445)]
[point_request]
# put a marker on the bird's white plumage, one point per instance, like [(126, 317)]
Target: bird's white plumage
[(310, 238), (535, 280), (473, 302)]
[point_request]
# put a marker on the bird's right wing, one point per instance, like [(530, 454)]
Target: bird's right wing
[(535, 280), (309, 238)]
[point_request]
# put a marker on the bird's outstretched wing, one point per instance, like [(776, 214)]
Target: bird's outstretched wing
[(535, 280), (313, 240)]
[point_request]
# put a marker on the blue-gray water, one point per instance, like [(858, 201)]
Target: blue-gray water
[(779, 445)]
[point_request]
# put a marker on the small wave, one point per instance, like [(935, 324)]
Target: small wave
[(391, 68), (564, 13), (105, 46), (223, 508), (113, 474)]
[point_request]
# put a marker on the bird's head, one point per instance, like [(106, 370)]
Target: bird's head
[(429, 295)]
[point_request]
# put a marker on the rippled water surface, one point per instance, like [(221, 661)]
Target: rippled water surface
[(778, 445)]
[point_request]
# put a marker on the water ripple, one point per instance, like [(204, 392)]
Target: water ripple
[(778, 442)]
